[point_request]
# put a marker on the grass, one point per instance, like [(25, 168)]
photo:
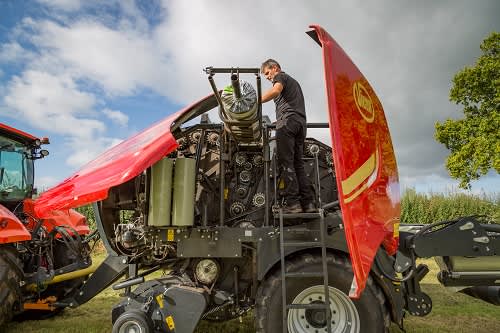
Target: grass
[(452, 312)]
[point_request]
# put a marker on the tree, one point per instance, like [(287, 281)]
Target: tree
[(474, 141)]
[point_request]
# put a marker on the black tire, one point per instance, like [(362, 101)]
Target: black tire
[(369, 313), (10, 291), (134, 321)]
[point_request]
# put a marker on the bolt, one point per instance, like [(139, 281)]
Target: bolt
[(81, 293), (124, 261), (178, 231)]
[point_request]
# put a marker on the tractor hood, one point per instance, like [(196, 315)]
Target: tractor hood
[(364, 160), (365, 165)]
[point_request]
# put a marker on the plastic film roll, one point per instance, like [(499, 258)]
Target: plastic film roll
[(160, 193), (183, 192)]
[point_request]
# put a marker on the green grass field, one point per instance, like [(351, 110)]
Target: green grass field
[(452, 312)]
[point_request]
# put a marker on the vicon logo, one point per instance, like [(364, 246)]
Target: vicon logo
[(363, 102)]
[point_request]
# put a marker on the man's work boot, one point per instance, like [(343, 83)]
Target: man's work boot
[(292, 209), (310, 208)]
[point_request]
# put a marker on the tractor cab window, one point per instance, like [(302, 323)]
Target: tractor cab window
[(16, 170)]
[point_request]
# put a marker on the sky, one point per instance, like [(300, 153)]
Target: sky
[(88, 74)]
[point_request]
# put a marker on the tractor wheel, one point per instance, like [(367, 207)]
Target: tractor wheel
[(365, 315), (10, 276), (133, 321)]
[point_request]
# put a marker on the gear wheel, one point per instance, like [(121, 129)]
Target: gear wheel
[(242, 191), (240, 159), (257, 160), (259, 199), (213, 138), (237, 208), (195, 137), (312, 149), (245, 176)]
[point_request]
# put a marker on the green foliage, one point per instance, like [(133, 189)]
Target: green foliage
[(423, 208), (88, 211), (474, 141)]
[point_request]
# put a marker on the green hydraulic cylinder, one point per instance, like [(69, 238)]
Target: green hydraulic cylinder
[(160, 193), (183, 196)]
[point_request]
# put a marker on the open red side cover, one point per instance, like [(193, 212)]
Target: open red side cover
[(365, 164), (115, 166)]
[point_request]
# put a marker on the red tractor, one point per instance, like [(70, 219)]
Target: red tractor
[(41, 260)]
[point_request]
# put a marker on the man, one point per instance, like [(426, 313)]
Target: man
[(290, 136)]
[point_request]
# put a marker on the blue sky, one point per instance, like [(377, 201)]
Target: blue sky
[(89, 74)]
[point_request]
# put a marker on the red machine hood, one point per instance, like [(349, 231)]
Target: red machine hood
[(118, 164), (365, 164), (115, 166)]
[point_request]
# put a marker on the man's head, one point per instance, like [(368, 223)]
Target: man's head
[(270, 68)]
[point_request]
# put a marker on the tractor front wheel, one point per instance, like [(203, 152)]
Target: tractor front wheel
[(368, 314), (10, 277)]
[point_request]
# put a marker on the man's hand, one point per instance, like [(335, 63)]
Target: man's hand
[(273, 92)]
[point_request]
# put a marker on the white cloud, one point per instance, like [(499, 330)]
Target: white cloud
[(119, 61), (13, 52), (52, 103), (118, 117), (65, 5), (44, 182), (84, 151)]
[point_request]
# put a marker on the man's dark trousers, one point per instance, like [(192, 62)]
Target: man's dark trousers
[(290, 136)]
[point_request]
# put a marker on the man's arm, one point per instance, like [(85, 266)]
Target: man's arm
[(273, 92)]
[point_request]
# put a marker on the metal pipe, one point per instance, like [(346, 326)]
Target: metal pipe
[(66, 277), (331, 204), (222, 171), (230, 70), (235, 82), (236, 286), (217, 96), (128, 283), (267, 159)]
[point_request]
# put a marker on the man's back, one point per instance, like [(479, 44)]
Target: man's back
[(291, 99)]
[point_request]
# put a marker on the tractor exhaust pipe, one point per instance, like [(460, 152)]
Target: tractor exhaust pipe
[(490, 294)]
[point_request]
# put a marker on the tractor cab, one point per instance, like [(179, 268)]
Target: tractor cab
[(18, 150)]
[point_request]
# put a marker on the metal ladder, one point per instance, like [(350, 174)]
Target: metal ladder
[(324, 271)]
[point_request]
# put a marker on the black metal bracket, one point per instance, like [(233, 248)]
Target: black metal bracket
[(418, 303)]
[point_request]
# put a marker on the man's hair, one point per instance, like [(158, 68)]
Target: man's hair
[(269, 63)]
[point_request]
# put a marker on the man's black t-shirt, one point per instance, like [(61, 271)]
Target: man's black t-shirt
[(290, 101)]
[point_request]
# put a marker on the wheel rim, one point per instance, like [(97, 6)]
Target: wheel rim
[(131, 326), (344, 315)]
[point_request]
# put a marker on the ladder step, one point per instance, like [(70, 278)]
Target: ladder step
[(307, 306), (304, 274), (298, 244)]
